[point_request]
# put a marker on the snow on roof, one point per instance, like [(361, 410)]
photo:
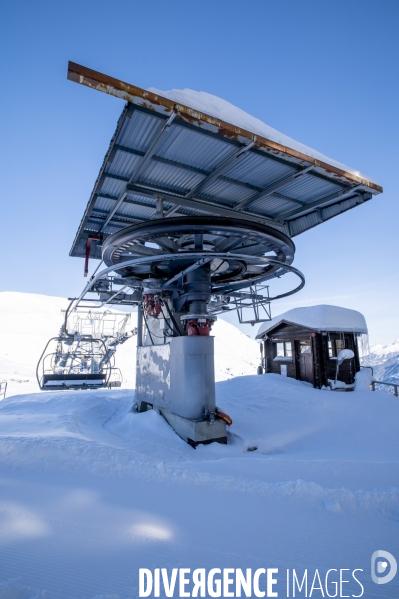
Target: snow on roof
[(320, 318), (221, 109)]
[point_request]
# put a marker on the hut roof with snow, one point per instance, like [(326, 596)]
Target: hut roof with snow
[(319, 318)]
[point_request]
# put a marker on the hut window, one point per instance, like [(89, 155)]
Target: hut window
[(335, 346), (283, 349), (339, 344), (305, 348)]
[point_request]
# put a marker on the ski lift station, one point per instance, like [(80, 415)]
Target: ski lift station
[(193, 214)]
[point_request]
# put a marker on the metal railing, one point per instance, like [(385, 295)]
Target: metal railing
[(394, 385), (3, 389)]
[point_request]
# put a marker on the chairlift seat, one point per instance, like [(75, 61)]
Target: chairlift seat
[(57, 382)]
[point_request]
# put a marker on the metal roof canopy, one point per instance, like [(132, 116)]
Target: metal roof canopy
[(169, 159)]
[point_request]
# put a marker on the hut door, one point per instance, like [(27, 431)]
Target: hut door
[(305, 361)]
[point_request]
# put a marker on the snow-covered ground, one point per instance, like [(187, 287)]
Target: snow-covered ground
[(91, 492)]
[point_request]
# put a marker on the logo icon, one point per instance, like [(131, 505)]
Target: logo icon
[(380, 560)]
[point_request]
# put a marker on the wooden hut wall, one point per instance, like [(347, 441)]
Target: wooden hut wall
[(324, 366), (348, 368), (274, 366), (290, 333)]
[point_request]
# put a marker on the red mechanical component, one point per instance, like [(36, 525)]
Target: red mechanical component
[(89, 241), (192, 327), (195, 327), (205, 328), (151, 305), (224, 416)]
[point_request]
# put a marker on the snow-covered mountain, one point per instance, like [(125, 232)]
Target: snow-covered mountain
[(28, 321), (385, 361), (388, 371), (381, 353)]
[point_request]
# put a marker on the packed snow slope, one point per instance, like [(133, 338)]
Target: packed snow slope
[(28, 321), (90, 492)]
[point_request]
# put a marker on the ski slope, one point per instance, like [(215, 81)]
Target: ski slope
[(91, 492)]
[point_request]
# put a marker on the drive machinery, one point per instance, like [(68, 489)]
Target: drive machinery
[(192, 216)]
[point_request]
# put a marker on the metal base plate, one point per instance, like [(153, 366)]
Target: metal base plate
[(194, 432)]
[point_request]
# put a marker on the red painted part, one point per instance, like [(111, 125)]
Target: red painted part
[(151, 307), (192, 331), (194, 327), (88, 246), (224, 417), (205, 328)]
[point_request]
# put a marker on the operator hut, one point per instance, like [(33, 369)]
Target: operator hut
[(304, 343)]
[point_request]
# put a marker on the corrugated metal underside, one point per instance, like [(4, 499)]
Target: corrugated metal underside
[(196, 171)]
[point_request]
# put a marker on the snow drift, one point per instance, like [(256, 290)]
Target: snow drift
[(321, 318), (90, 491)]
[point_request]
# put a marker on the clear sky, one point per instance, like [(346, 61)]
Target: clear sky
[(325, 73)]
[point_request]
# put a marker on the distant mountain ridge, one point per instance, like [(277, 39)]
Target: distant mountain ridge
[(385, 361), (381, 353)]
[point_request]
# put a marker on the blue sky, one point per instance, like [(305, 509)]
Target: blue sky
[(325, 73)]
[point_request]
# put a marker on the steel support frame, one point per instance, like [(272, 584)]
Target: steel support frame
[(320, 202), (199, 204), (139, 326), (199, 256), (271, 189), (261, 193), (159, 107), (138, 170)]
